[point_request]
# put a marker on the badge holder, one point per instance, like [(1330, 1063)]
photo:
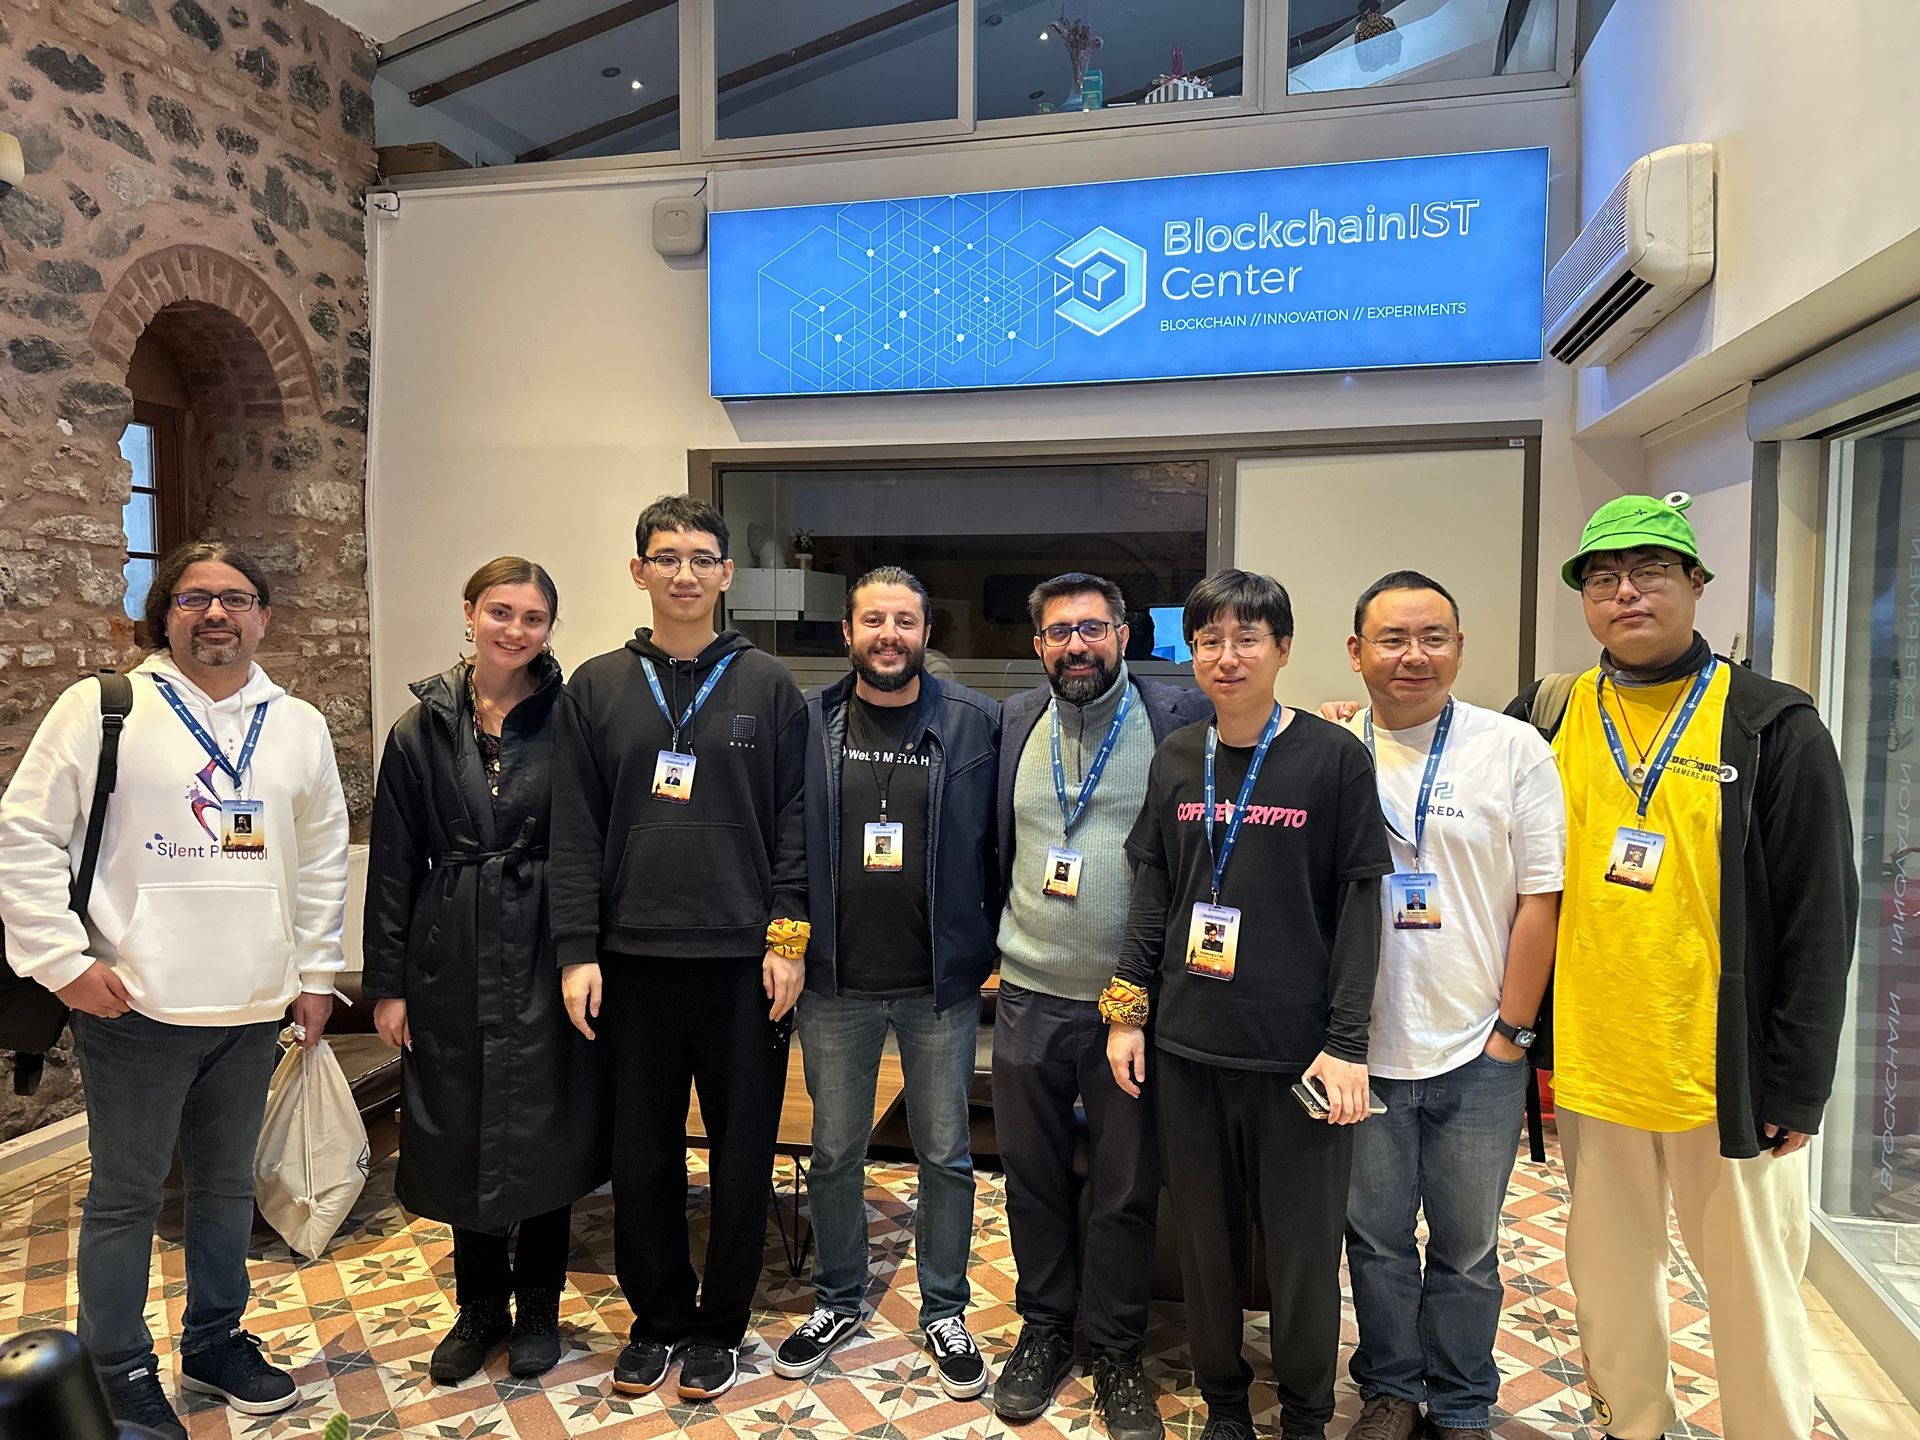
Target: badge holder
[(243, 830), (1415, 900), (1213, 941), (673, 777), (1063, 873), (1636, 857), (885, 846)]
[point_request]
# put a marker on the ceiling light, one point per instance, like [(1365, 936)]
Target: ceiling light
[(1044, 35), (638, 86)]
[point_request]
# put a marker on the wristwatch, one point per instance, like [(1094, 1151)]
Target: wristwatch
[(1520, 1035)]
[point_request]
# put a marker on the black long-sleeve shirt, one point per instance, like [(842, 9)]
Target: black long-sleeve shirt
[(633, 874), (1305, 876)]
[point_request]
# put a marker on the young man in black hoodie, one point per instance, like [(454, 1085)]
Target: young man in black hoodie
[(1705, 936), (678, 881)]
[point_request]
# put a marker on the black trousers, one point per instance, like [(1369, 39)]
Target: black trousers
[(1237, 1145), (1048, 1052), (671, 1025), (534, 1257)]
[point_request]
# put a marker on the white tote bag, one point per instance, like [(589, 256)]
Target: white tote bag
[(313, 1157)]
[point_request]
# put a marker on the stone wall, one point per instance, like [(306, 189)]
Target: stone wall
[(196, 169)]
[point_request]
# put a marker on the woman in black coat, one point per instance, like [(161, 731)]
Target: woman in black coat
[(500, 1129)]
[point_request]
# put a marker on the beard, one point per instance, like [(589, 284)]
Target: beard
[(206, 647), (1083, 688), (888, 681)]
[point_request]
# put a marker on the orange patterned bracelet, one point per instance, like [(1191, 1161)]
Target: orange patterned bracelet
[(1124, 1003), (788, 938)]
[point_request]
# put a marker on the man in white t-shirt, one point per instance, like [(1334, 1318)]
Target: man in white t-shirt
[(1478, 832)]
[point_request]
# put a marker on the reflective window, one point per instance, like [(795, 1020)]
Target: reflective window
[(140, 516), (546, 80), (787, 67), (980, 539), (1355, 44), (1039, 57), (1868, 1183)]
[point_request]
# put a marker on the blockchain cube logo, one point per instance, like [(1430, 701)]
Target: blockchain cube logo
[(1105, 281)]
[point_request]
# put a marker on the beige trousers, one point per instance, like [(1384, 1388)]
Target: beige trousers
[(1745, 1224)]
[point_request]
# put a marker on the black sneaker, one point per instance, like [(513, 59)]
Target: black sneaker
[(135, 1396), (963, 1374), (1228, 1427), (533, 1347), (476, 1330), (1041, 1359), (1128, 1404), (239, 1374), (818, 1336), (707, 1371), (642, 1366)]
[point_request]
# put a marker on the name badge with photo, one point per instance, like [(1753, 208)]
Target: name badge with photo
[(1415, 899), (243, 828), (1063, 873), (1636, 857), (1213, 940), (673, 777), (886, 845)]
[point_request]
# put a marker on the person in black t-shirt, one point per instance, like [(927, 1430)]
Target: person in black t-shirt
[(1252, 941), (907, 912)]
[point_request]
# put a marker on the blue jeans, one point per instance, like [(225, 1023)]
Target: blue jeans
[(149, 1087), (1445, 1145), (841, 1040)]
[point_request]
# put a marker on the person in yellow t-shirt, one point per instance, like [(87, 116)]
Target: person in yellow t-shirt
[(1706, 930)]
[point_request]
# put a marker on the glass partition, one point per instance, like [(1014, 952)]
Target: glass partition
[(1868, 1182), (1039, 57), (1335, 45)]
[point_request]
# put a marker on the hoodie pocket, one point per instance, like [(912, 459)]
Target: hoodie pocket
[(207, 947), (692, 877)]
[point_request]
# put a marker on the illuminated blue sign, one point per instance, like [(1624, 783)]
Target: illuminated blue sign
[(1435, 260)]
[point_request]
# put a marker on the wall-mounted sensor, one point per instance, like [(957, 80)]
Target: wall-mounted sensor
[(680, 225)]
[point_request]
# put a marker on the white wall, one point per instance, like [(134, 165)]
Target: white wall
[(1709, 456), (540, 373), (1815, 116)]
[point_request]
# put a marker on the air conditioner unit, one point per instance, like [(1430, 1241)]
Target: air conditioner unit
[(1649, 248)]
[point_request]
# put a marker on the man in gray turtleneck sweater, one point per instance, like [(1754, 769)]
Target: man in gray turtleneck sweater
[(1063, 832)]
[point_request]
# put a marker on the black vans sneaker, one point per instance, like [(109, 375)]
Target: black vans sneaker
[(641, 1367), (236, 1371), (708, 1371), (963, 1374), (818, 1336), (135, 1397)]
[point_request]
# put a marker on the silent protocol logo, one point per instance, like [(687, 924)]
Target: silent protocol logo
[(1105, 281)]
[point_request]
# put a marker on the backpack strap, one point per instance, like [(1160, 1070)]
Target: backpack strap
[(116, 702), (1549, 705)]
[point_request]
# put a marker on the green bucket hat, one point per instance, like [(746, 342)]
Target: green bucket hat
[(1634, 522)]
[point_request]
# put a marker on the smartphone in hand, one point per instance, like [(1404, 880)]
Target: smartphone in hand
[(1313, 1100)]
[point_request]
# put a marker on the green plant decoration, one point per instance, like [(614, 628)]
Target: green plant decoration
[(336, 1428)]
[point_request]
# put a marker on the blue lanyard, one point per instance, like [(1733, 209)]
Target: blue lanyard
[(693, 709), (1239, 805), (1426, 781), (1070, 818), (1679, 727), (236, 769)]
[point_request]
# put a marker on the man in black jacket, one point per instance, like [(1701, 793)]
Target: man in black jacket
[(1705, 936), (678, 890), (1063, 836), (899, 798)]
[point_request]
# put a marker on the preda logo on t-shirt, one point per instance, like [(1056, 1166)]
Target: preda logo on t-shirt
[(1194, 812)]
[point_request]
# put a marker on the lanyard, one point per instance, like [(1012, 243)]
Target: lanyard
[(1070, 818), (236, 769), (1426, 780), (894, 748), (1678, 728), (1239, 805), (693, 708)]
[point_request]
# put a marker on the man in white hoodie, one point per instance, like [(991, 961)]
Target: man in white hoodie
[(217, 903)]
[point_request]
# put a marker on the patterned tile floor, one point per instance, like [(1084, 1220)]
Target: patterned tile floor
[(357, 1328)]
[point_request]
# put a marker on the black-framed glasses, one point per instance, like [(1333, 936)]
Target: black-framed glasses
[(1091, 631), (234, 602), (1246, 644), (703, 564), (1433, 642), (1647, 579)]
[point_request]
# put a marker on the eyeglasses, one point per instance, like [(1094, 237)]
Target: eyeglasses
[(1432, 642), (669, 564), (233, 602), (1091, 631), (1246, 644), (1647, 579)]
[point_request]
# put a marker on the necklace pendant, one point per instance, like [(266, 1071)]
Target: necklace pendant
[(1638, 774)]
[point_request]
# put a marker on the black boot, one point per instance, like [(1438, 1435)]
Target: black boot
[(534, 1347), (479, 1327)]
